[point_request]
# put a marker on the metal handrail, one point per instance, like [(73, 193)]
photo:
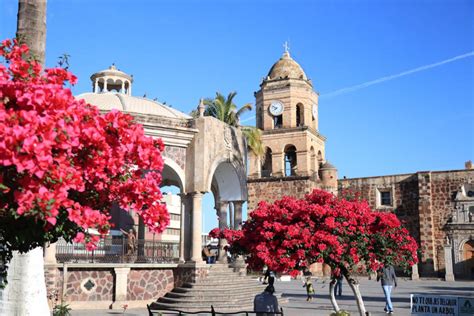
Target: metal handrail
[(118, 250)]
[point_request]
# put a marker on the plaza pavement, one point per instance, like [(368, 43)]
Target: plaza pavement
[(371, 291)]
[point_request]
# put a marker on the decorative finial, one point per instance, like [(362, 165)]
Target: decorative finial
[(201, 107), (286, 46), (113, 66)]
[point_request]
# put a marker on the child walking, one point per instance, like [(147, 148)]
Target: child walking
[(309, 288)]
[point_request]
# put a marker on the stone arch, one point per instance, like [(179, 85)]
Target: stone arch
[(466, 256), (290, 160), (300, 114), (173, 174), (228, 178), (267, 163), (320, 157)]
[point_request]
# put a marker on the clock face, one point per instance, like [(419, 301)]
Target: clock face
[(315, 111), (276, 108)]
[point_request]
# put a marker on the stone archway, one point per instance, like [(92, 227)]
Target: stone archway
[(467, 252)]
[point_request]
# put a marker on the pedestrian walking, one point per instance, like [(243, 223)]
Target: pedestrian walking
[(309, 288), (338, 286), (388, 280)]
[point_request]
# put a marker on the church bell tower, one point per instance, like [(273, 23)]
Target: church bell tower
[(287, 112)]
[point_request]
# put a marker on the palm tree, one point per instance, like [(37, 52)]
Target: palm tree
[(225, 110), (31, 26), (25, 293)]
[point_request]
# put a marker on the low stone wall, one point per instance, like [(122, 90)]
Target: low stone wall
[(90, 286)]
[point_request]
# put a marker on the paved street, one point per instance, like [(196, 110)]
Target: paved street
[(371, 291)]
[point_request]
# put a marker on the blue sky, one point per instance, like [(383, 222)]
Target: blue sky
[(179, 51)]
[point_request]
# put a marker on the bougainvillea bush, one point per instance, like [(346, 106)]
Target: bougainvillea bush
[(291, 234), (63, 163), (344, 233)]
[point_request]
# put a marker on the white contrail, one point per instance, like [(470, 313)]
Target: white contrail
[(383, 79), (247, 119)]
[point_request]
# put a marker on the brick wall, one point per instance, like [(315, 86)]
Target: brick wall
[(423, 201), (271, 189)]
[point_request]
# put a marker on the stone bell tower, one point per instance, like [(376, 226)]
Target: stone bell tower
[(287, 113)]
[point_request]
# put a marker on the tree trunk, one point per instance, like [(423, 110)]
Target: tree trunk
[(332, 297), (31, 27), (354, 284), (25, 293)]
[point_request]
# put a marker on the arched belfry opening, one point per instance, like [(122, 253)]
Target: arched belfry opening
[(290, 161), (278, 121), (299, 115), (267, 163)]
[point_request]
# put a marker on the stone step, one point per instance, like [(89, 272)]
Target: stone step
[(200, 295), (209, 300), (230, 280), (221, 287)]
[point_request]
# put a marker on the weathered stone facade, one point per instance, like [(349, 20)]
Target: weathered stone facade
[(425, 202), (90, 286), (148, 284), (271, 189)]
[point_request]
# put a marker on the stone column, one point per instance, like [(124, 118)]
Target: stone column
[(239, 265), (222, 213), (121, 285), (231, 215), (96, 85), (448, 263), (237, 214), (181, 229), (50, 254), (414, 272), (123, 88), (105, 84), (278, 165), (197, 228)]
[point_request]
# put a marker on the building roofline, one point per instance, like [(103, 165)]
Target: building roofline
[(408, 174)]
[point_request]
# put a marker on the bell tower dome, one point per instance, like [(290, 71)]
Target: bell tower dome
[(112, 80)]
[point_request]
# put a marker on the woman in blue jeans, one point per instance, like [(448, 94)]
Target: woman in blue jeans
[(388, 281)]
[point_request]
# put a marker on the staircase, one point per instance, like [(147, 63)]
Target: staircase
[(223, 289)]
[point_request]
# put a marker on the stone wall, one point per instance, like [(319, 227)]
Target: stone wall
[(273, 188), (149, 284), (102, 286), (423, 201)]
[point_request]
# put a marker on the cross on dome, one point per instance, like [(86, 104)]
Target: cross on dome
[(287, 47)]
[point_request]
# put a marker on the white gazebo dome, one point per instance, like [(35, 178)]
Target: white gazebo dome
[(112, 89), (126, 103)]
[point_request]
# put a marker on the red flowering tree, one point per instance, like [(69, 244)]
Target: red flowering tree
[(62, 162), (346, 234)]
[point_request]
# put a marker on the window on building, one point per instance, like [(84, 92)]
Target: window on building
[(385, 198), (278, 121)]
